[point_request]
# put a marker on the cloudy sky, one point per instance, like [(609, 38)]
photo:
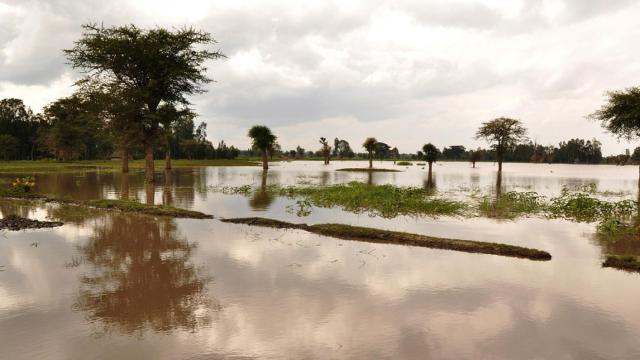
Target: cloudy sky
[(406, 72)]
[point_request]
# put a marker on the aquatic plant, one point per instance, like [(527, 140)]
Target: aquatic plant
[(511, 205), (404, 163)]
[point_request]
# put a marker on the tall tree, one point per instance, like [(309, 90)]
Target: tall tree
[(502, 133), (370, 144), (431, 154), (620, 115), (19, 125), (325, 150), (263, 140), (156, 65), (74, 129)]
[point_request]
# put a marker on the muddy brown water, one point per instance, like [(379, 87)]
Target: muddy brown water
[(109, 285)]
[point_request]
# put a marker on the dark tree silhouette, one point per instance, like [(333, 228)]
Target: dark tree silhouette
[(262, 139), (503, 133), (370, 145)]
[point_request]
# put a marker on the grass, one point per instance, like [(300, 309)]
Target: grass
[(387, 201), (47, 166), (404, 163), (137, 207), (119, 205), (511, 205), (623, 262), (359, 233)]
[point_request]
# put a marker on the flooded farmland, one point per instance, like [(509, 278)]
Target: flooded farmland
[(114, 285)]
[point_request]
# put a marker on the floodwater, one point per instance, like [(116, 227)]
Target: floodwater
[(113, 286)]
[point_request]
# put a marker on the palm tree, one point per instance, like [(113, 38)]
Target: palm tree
[(431, 154), (503, 133), (370, 145), (262, 139)]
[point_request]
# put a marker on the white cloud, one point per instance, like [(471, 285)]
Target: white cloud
[(432, 70)]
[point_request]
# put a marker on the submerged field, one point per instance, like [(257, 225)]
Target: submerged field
[(176, 288)]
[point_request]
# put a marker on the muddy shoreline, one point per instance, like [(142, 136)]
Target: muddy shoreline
[(15, 223)]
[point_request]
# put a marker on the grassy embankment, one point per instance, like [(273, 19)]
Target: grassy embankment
[(348, 232), (107, 204), (47, 166)]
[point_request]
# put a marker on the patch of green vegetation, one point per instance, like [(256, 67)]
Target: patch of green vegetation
[(137, 207), (368, 170), (48, 166), (358, 233), (387, 201), (623, 262), (421, 164), (404, 163), (581, 206), (511, 205)]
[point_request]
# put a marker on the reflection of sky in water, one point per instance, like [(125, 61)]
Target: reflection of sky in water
[(232, 290)]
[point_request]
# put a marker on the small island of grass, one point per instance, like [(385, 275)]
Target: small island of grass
[(358, 233)]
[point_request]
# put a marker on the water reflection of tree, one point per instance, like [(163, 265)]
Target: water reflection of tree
[(142, 277), (261, 198)]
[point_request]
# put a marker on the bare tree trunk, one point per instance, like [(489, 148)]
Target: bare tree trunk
[(125, 159), (265, 160), (430, 163), (124, 187), (167, 154), (150, 193), (499, 158), (370, 160), (167, 195), (148, 162), (474, 164)]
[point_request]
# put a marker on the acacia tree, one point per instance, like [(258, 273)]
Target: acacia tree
[(431, 154), (502, 133), (262, 139), (156, 65), (325, 150), (620, 115), (370, 145)]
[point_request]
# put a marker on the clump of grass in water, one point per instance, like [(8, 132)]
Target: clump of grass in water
[(623, 262), (511, 205), (581, 206), (404, 163), (387, 201)]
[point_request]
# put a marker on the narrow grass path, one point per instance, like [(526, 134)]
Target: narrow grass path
[(348, 232)]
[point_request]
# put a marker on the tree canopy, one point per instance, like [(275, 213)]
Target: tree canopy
[(620, 115)]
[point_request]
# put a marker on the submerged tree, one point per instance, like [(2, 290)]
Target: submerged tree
[(370, 144), (502, 133), (431, 154), (325, 150), (262, 139), (155, 65), (620, 115), (475, 156)]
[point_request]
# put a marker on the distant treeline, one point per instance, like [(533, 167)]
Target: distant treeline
[(574, 151), (69, 129)]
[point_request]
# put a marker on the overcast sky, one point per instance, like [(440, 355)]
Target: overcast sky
[(406, 72)]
